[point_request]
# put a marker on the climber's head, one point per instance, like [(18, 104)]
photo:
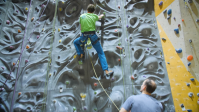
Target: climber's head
[(91, 8)]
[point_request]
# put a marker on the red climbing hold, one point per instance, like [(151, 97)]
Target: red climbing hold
[(95, 84), (189, 58), (182, 20), (178, 25), (118, 59), (132, 78), (118, 7), (119, 47)]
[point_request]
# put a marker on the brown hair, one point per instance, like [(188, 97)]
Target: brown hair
[(91, 8), (150, 86)]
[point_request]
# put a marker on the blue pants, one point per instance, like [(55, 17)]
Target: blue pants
[(82, 40)]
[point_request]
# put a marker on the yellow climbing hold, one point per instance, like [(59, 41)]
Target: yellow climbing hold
[(63, 2), (75, 56), (58, 29), (26, 8), (42, 29), (60, 9), (60, 41)]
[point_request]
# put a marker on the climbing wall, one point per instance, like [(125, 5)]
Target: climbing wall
[(40, 70)]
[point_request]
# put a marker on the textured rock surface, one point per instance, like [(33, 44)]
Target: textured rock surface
[(39, 82)]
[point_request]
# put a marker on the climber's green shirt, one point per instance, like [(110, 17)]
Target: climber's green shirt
[(87, 21)]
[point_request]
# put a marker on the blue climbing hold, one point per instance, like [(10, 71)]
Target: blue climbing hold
[(192, 79), (188, 84), (179, 50), (163, 39), (160, 3), (176, 30), (197, 20), (189, 110), (168, 17), (189, 63), (169, 12)]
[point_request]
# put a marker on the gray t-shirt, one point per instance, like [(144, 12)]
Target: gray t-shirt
[(142, 103)]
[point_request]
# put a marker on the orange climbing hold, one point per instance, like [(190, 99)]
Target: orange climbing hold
[(27, 47), (119, 47), (13, 64), (189, 58), (19, 31), (182, 20), (118, 59), (132, 78), (19, 93)]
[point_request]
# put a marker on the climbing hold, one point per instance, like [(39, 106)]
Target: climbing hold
[(85, 108), (27, 47), (176, 30), (17, 11), (190, 1), (26, 61), (190, 41), (67, 82), (163, 39), (189, 58), (11, 47), (60, 9), (7, 22), (119, 60), (19, 31), (147, 48), (168, 17), (182, 20), (179, 50), (74, 56), (54, 101), (60, 41), (168, 63), (83, 96), (197, 20), (42, 29), (63, 2), (198, 101), (127, 26), (26, 8), (4, 0), (95, 92), (118, 7), (32, 18), (119, 47), (169, 11), (192, 79), (128, 16), (132, 78), (119, 44), (188, 84), (174, 18), (19, 93), (160, 4), (37, 36), (132, 48), (58, 29), (165, 11), (95, 109), (97, 31), (178, 25), (189, 63), (95, 84), (190, 94), (61, 90), (189, 110), (1, 89), (74, 109), (116, 30), (50, 74), (113, 79), (58, 57), (13, 64), (198, 94)]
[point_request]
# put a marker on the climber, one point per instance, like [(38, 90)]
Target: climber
[(87, 27), (143, 102)]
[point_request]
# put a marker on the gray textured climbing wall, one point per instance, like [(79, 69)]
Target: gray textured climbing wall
[(47, 76)]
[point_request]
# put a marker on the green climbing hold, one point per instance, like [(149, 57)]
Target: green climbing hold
[(67, 82), (80, 62), (95, 109), (97, 31), (95, 92), (119, 44), (74, 109)]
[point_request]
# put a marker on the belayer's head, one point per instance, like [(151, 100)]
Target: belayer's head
[(91, 8), (148, 87)]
